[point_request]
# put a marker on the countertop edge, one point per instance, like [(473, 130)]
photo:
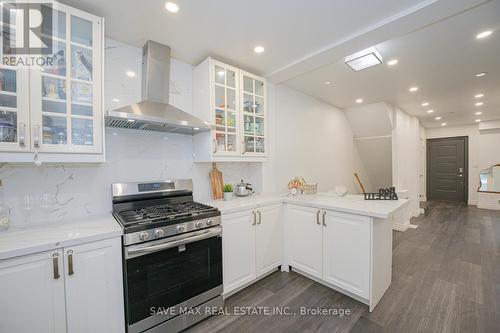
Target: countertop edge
[(50, 245), (285, 200)]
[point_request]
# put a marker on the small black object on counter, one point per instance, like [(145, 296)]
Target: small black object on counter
[(383, 194)]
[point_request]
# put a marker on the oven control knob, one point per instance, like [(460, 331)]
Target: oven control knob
[(199, 224), (181, 228), (209, 222), (144, 236), (159, 233)]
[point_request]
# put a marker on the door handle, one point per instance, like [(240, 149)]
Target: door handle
[(254, 217), (317, 217), (324, 215), (21, 130), (55, 265), (260, 217), (70, 263), (36, 136)]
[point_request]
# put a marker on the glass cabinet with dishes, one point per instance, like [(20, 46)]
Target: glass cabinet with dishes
[(53, 108), (66, 93), (234, 103)]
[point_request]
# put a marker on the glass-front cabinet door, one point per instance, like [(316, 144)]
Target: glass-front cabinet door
[(66, 101), (225, 110), (14, 83), (253, 106)]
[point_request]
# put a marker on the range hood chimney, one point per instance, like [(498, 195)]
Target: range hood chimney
[(153, 112)]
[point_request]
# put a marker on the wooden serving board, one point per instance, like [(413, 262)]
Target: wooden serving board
[(216, 183)]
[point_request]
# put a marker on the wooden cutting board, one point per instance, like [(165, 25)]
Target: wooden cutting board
[(216, 183)]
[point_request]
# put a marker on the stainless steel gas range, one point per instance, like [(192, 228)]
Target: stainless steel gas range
[(172, 250)]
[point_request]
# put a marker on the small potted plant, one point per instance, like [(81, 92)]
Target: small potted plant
[(228, 192)]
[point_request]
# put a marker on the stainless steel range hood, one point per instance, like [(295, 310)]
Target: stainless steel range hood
[(154, 113)]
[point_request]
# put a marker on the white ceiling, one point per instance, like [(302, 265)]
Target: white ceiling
[(229, 29), (306, 42), (441, 59)]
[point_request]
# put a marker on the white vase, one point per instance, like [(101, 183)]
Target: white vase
[(228, 196)]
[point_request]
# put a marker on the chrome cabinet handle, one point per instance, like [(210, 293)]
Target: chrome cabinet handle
[(324, 215), (215, 146), (21, 129), (317, 216), (243, 151), (70, 263), (36, 136), (254, 217), (55, 265), (260, 217)]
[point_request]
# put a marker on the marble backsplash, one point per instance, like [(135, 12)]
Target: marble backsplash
[(59, 191)]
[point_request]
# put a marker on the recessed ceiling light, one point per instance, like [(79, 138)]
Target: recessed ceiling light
[(413, 89), (359, 100), (478, 113), (438, 118), (478, 120), (479, 95), (130, 73), (444, 124), (363, 59), (479, 103), (116, 100), (425, 104), (196, 128), (481, 74), (484, 34), (430, 111), (172, 7), (392, 62), (327, 82), (131, 120), (258, 49)]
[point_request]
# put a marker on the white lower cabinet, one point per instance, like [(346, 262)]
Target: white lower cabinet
[(304, 239), (269, 235), (74, 289), (346, 252), (251, 245), (31, 297), (331, 246), (238, 249), (94, 290)]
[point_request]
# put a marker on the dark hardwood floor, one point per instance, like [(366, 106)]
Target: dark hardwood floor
[(446, 278)]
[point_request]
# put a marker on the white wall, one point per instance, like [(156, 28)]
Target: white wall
[(407, 165), (484, 151), (313, 140)]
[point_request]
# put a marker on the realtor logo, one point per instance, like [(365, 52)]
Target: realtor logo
[(27, 29)]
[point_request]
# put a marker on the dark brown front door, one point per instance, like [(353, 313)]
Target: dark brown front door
[(447, 172)]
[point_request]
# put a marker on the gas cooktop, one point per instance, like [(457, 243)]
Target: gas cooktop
[(154, 210)]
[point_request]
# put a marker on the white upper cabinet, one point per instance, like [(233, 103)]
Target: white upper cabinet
[(253, 106), (234, 103), (54, 107)]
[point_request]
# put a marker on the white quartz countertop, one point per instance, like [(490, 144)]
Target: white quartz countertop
[(354, 204), (45, 237)]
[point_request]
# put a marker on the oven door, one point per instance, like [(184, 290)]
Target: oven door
[(164, 277)]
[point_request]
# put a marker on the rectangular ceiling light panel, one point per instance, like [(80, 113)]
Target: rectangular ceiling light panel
[(364, 59)]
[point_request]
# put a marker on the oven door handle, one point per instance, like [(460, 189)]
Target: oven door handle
[(213, 232)]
